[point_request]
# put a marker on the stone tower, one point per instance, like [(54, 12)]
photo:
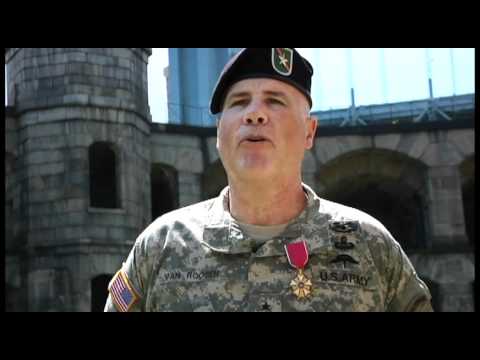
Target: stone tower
[(78, 125)]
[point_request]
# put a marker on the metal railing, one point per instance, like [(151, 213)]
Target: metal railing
[(401, 112)]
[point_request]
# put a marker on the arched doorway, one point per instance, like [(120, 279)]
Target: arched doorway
[(468, 197), (214, 179), (467, 172), (164, 183), (474, 291), (435, 292), (386, 185), (99, 291), (395, 205), (13, 301), (9, 195)]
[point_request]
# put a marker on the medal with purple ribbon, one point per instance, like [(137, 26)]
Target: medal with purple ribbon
[(297, 254)]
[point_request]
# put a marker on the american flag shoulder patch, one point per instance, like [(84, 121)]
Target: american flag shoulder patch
[(122, 292)]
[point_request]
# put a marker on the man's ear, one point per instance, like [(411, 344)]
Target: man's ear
[(312, 123)]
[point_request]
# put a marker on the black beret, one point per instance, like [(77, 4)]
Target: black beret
[(284, 64)]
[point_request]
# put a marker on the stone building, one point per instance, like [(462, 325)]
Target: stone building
[(87, 170)]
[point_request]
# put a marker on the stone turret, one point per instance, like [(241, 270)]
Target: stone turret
[(81, 192)]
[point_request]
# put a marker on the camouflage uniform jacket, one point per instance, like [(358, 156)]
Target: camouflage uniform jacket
[(198, 259)]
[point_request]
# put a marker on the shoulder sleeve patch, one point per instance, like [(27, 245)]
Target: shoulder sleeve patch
[(122, 292)]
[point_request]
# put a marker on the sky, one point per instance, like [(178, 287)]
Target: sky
[(157, 84), (378, 76)]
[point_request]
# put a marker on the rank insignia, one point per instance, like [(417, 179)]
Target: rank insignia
[(266, 307)]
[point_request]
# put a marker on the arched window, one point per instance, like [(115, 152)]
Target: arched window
[(103, 176), (99, 291), (164, 189)]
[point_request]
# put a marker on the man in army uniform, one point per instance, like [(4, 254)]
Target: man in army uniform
[(267, 242)]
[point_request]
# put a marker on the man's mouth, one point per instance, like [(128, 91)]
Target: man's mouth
[(256, 139)]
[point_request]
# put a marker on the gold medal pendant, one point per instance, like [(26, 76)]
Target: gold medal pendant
[(301, 285), (297, 254)]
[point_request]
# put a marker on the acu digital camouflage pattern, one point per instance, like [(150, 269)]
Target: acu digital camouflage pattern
[(198, 259)]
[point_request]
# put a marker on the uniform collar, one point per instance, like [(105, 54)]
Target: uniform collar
[(222, 233)]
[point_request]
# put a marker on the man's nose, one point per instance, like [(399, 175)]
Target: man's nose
[(255, 117)]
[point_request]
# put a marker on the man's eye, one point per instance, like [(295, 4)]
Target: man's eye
[(275, 101), (238, 102)]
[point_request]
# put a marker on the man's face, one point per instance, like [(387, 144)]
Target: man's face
[(264, 130)]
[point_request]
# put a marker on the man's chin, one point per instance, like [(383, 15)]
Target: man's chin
[(255, 173)]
